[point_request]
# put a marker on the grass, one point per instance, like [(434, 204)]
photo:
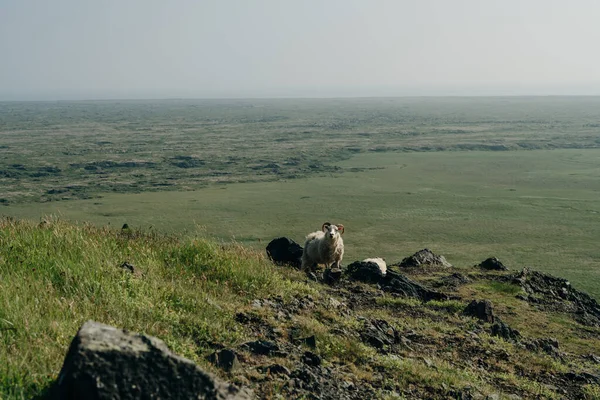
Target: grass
[(187, 291), (538, 209), (55, 278)]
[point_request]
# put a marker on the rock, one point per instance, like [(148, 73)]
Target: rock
[(368, 272), (310, 341), (262, 347), (546, 345), (558, 294), (332, 276), (284, 251), (276, 369), (480, 309), (225, 359), (424, 257), (400, 284), (125, 227), (378, 333), (452, 281), (127, 267), (109, 363), (492, 264), (500, 329), (594, 358), (311, 359)]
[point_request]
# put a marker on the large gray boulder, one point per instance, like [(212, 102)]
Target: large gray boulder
[(109, 363)]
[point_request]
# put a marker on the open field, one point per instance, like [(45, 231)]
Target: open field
[(401, 174), (72, 150), (530, 208)]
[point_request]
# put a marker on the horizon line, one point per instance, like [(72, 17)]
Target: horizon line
[(294, 97)]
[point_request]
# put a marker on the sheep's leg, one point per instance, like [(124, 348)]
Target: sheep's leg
[(336, 264)]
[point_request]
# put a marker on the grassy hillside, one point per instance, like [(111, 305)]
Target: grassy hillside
[(198, 295)]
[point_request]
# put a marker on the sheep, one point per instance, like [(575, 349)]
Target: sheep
[(324, 247), (380, 263)]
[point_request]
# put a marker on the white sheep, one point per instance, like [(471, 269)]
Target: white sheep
[(380, 262), (324, 247)]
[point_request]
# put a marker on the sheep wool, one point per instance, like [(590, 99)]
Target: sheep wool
[(324, 247)]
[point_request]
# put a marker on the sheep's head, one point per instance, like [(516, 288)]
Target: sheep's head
[(332, 231)]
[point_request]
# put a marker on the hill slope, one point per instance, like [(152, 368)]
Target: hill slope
[(353, 340)]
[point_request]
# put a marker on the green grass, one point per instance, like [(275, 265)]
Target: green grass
[(537, 209), (187, 291), (55, 278)]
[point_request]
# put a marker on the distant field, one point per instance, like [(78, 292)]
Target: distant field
[(537, 208), (55, 151)]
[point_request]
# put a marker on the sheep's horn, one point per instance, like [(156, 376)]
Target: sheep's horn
[(324, 225), (341, 228)]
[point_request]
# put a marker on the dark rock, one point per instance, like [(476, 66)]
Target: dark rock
[(263, 347), (332, 276), (284, 251), (128, 267), (378, 333), (368, 272), (500, 329), (276, 369), (244, 318), (493, 264), (480, 309), (452, 281), (125, 227), (558, 294), (594, 358), (311, 359), (400, 284), (424, 257), (310, 341), (225, 359), (546, 345), (108, 363)]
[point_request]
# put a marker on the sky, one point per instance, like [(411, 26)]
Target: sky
[(129, 49)]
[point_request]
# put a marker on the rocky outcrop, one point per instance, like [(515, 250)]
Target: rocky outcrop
[(557, 293), (492, 264), (480, 309), (368, 272), (400, 284), (284, 251), (423, 258), (109, 363)]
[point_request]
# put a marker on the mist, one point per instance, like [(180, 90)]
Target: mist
[(132, 49)]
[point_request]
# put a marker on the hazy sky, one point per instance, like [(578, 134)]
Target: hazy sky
[(84, 49)]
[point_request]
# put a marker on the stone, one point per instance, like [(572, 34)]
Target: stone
[(492, 264), (104, 362), (400, 284), (127, 267), (368, 272), (284, 251), (480, 309), (225, 359), (262, 347), (424, 257), (379, 334), (311, 359), (332, 276), (310, 341), (276, 369), (500, 329), (557, 293)]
